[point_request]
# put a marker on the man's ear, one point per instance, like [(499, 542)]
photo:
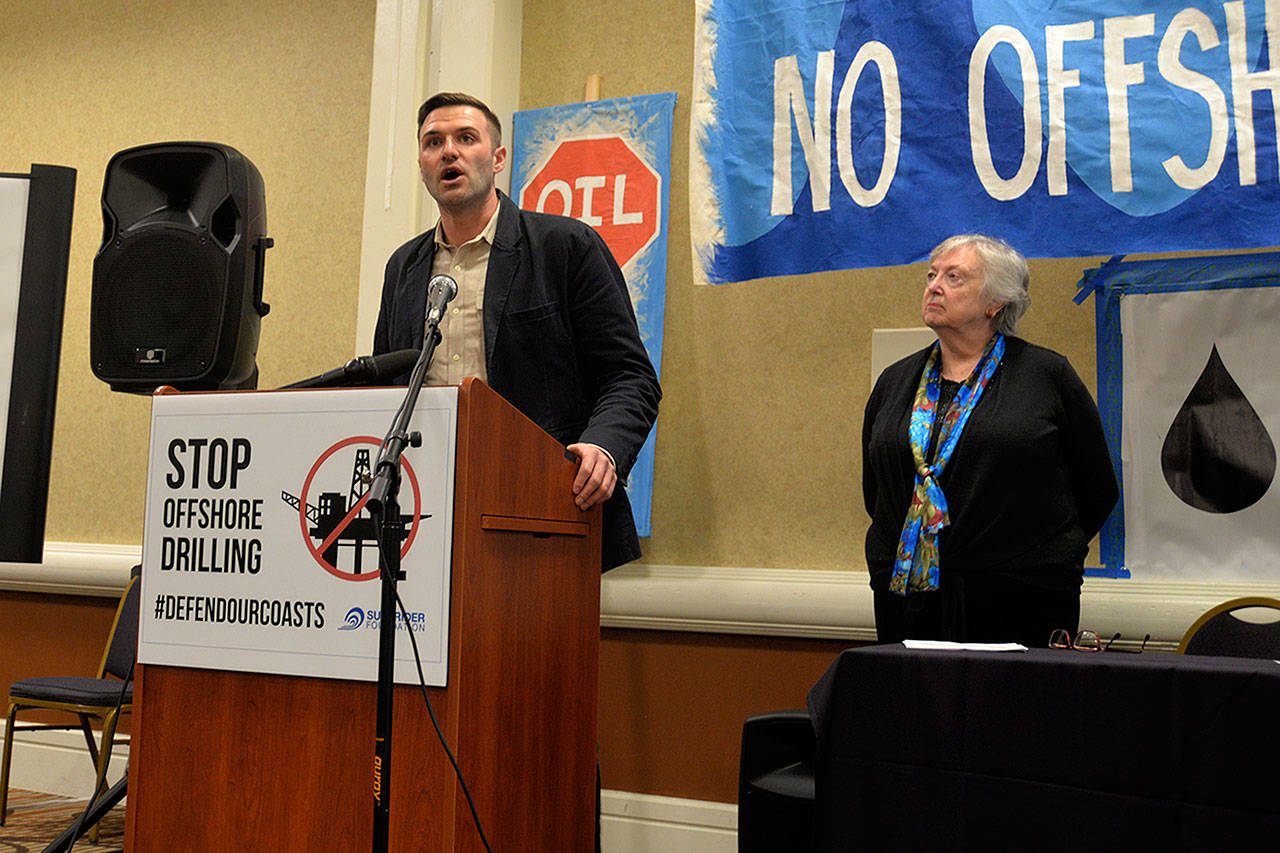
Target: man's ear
[(499, 159)]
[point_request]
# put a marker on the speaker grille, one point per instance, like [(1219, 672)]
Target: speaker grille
[(164, 290)]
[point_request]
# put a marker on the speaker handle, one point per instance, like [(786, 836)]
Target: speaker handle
[(259, 263)]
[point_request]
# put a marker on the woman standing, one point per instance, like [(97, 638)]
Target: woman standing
[(985, 469)]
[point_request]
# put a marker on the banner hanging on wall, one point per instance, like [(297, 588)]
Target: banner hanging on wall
[(608, 164), (1188, 396), (843, 134)]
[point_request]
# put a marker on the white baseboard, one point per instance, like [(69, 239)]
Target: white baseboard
[(57, 762), (643, 823)]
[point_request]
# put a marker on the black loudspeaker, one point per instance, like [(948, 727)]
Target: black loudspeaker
[(177, 282)]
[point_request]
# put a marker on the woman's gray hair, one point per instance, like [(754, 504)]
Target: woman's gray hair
[(1005, 277)]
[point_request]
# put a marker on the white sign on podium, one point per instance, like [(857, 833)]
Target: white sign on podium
[(259, 555)]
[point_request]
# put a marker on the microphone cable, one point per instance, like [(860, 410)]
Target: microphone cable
[(422, 683)]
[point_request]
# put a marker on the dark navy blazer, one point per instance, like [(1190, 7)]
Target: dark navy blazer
[(560, 341)]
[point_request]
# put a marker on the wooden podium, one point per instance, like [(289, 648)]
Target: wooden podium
[(247, 762)]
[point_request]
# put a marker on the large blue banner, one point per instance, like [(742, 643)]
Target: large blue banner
[(840, 134)]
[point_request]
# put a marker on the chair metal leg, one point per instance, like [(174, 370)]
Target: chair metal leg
[(8, 754), (87, 730), (104, 756)]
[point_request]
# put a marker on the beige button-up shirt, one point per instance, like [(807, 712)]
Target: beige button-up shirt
[(461, 350)]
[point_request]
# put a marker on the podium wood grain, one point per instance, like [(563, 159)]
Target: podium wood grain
[(243, 761)]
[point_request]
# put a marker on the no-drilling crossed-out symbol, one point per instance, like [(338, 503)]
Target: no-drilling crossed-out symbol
[(339, 520)]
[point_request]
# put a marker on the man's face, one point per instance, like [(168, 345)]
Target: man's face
[(457, 158)]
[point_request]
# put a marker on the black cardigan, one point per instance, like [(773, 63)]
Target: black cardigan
[(1029, 484)]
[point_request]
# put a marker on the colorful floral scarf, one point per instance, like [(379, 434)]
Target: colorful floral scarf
[(915, 568)]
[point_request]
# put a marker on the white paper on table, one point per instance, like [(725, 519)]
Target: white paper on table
[(941, 645)]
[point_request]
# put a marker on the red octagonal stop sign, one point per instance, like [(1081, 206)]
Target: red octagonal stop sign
[(603, 183)]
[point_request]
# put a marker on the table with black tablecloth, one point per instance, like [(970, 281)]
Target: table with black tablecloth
[(1045, 750)]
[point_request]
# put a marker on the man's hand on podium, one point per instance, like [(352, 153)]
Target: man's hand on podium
[(596, 475)]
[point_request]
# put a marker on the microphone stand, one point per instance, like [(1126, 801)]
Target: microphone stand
[(383, 503)]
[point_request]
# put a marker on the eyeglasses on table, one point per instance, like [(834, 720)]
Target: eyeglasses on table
[(1087, 640)]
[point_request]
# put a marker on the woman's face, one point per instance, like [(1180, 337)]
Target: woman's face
[(953, 297)]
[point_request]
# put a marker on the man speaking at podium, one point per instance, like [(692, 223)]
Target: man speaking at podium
[(542, 313)]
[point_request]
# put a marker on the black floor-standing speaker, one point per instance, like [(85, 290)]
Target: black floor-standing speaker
[(177, 282)]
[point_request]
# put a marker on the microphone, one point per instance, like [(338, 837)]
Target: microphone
[(365, 370), (440, 292)]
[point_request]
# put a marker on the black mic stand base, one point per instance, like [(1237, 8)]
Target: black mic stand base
[(96, 812)]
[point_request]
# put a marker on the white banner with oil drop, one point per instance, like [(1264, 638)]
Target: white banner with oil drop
[(1200, 425)]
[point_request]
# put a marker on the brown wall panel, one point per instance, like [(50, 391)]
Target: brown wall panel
[(52, 635), (672, 704)]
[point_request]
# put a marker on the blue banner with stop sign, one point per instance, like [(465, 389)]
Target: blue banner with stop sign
[(608, 164)]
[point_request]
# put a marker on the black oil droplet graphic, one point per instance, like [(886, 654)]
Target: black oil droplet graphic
[(1218, 456)]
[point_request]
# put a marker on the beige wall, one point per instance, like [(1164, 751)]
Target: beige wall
[(758, 439), (287, 84), (83, 80), (765, 381)]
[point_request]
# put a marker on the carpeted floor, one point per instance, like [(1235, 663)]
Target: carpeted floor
[(34, 820)]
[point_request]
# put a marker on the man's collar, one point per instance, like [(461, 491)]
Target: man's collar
[(485, 234)]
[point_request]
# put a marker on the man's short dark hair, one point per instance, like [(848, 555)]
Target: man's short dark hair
[(460, 99)]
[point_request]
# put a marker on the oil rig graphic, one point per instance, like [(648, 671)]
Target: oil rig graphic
[(358, 533)]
